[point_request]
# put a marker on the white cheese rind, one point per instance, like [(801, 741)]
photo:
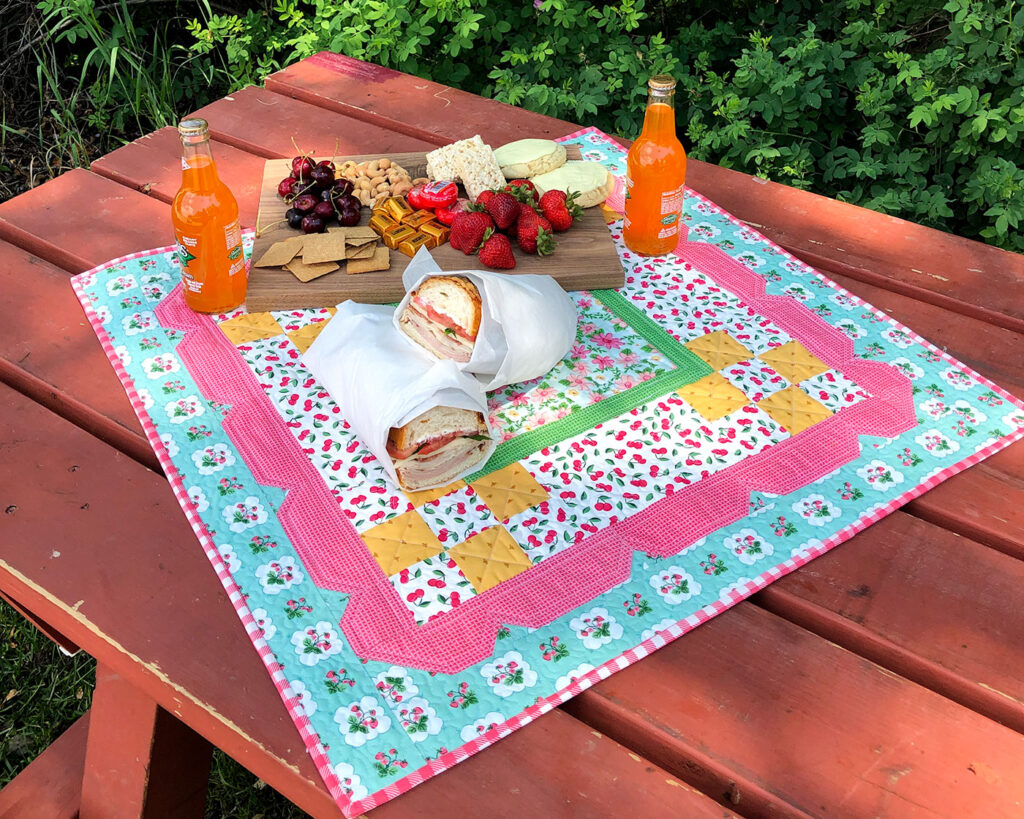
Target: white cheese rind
[(591, 181), (529, 157)]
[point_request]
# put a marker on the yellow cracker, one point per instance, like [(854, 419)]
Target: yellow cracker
[(307, 272), (425, 496), (398, 543), (280, 253), (323, 247), (509, 491), (364, 252), (794, 362), (250, 327), (490, 557), (305, 336), (718, 349), (713, 396), (794, 409), (381, 260)]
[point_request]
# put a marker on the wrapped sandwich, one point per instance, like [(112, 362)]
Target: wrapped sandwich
[(502, 328), (424, 419)]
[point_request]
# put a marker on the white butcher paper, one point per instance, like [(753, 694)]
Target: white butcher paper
[(527, 322), (380, 382)]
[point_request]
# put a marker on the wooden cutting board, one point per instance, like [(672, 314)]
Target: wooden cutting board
[(584, 259)]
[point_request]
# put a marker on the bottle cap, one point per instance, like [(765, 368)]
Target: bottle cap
[(662, 83), (193, 130)]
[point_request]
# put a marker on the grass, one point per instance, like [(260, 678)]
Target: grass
[(42, 692)]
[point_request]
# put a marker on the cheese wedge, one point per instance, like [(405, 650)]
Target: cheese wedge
[(529, 157), (591, 181)]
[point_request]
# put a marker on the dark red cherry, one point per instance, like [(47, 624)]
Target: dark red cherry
[(325, 210), (305, 203), (326, 163), (311, 223), (342, 187), (322, 176), (294, 218), (285, 186), (348, 217), (302, 167)]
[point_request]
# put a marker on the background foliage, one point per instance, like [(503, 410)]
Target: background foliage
[(907, 107)]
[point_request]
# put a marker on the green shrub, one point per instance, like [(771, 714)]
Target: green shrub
[(911, 108)]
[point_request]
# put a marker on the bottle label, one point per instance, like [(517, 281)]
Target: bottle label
[(187, 247)]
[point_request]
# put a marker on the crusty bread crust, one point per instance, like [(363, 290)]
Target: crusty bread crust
[(436, 422), (435, 283)]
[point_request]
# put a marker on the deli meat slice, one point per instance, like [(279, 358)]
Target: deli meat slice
[(442, 465), (431, 335)]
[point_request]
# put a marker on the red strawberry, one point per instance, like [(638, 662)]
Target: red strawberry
[(468, 230), (496, 251), (504, 208), (523, 190), (534, 233), (485, 197), (559, 209)]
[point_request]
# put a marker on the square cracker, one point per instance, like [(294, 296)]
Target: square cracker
[(381, 260), (323, 247), (307, 272), (280, 253)]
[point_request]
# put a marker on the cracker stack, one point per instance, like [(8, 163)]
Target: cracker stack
[(468, 161)]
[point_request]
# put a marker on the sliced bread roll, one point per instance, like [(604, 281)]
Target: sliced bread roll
[(529, 157), (443, 316), (591, 181)]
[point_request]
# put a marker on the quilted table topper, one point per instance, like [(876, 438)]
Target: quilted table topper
[(726, 416)]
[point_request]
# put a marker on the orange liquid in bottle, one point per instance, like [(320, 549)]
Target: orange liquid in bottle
[(205, 219), (655, 175)]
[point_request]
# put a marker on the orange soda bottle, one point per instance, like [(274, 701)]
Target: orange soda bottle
[(205, 218), (655, 175)]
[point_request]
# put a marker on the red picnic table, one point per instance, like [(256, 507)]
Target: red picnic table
[(882, 679)]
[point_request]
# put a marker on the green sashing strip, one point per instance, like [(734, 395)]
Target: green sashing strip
[(688, 368)]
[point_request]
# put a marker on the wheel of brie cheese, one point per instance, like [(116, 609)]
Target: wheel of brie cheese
[(591, 181)]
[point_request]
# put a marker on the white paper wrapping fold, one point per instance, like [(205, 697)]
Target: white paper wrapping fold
[(380, 382), (527, 322)]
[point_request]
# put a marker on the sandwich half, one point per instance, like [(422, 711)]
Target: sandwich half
[(443, 317), (437, 446)]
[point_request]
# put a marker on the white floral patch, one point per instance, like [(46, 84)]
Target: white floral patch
[(748, 546), (316, 643), (279, 575), (970, 413), (306, 705), (103, 314), (596, 628), (213, 458), (816, 510), (739, 586), (934, 407), (264, 621), (227, 554), (120, 284), (362, 721), (569, 678), (843, 300), (798, 292), (123, 355), (1015, 418), (349, 780), (937, 443), (804, 549), (184, 409), (245, 514), (492, 719), (198, 498), (395, 685), (751, 260), (851, 329), (898, 338), (880, 476), (509, 674), (138, 323), (703, 231), (146, 397), (648, 633), (169, 444), (675, 584), (160, 365), (907, 367), (957, 379), (418, 718)]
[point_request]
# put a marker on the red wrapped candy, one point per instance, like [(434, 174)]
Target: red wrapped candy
[(431, 195)]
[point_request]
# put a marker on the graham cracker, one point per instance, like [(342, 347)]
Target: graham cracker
[(509, 491), (305, 336), (280, 253), (718, 349), (794, 362), (360, 241), (490, 557), (307, 272), (425, 496), (323, 247), (794, 409), (250, 327), (398, 543), (380, 260), (364, 252), (713, 397)]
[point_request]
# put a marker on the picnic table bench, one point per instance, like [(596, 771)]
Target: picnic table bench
[(882, 679)]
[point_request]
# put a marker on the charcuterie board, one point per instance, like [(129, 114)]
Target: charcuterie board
[(585, 258)]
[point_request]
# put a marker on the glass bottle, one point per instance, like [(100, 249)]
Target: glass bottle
[(655, 175), (205, 218)]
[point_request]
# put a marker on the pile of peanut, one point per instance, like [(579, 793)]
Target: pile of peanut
[(376, 179)]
